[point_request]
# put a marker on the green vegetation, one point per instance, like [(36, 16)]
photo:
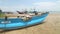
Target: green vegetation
[(1, 14)]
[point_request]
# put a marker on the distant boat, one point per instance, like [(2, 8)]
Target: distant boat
[(15, 23), (20, 12)]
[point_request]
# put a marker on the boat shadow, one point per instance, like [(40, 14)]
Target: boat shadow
[(23, 27)]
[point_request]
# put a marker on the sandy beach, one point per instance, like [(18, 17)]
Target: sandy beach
[(50, 26)]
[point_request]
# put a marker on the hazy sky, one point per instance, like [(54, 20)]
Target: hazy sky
[(42, 5)]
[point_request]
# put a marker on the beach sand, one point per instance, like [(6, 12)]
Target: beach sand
[(50, 26)]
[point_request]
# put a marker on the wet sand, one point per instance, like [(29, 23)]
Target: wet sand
[(50, 26)]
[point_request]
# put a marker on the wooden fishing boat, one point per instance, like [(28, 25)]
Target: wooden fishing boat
[(15, 23)]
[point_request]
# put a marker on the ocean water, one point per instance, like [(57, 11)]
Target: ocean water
[(52, 12)]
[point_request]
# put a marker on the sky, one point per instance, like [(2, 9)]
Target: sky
[(41, 5)]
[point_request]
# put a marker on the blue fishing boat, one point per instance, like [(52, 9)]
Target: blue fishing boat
[(15, 23)]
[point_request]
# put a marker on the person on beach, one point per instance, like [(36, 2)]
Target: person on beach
[(6, 18)]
